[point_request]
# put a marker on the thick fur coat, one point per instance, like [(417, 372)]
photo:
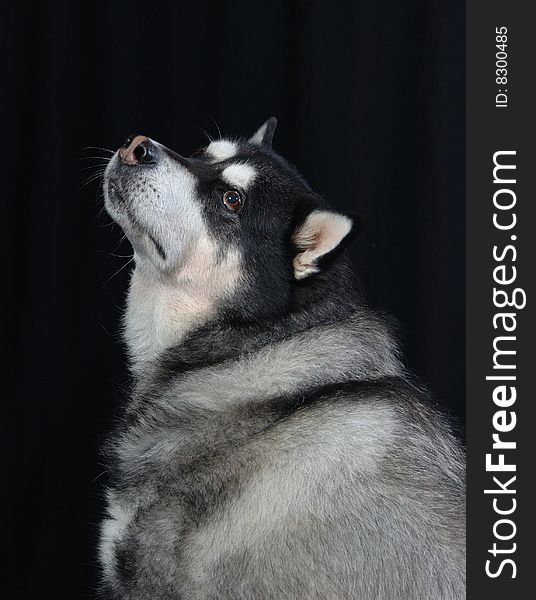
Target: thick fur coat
[(274, 446)]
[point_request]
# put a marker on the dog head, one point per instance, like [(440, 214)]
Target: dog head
[(232, 230)]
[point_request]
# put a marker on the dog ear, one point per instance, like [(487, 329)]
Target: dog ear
[(320, 233), (265, 133)]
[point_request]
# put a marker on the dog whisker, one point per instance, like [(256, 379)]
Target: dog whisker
[(118, 271), (215, 123), (98, 148)]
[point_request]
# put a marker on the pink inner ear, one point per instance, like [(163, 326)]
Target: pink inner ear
[(321, 232)]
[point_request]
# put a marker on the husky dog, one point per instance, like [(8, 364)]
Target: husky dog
[(274, 446)]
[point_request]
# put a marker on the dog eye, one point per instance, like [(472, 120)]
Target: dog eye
[(232, 200)]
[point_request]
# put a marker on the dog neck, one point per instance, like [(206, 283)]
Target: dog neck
[(220, 365), (163, 308)]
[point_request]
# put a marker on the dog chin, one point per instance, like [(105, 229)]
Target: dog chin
[(115, 199), (148, 248)]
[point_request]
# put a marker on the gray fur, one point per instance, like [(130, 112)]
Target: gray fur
[(291, 461)]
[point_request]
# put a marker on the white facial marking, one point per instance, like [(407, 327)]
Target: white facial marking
[(161, 205), (222, 149), (239, 175), (321, 232), (180, 274)]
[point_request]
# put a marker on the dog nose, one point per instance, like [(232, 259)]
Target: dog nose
[(138, 150)]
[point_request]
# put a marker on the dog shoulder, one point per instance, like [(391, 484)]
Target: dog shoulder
[(387, 426)]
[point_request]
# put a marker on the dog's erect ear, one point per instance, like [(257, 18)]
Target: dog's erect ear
[(320, 233), (265, 133)]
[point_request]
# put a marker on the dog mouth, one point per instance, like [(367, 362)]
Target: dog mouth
[(147, 201), (120, 202), (115, 194), (158, 246), (118, 184)]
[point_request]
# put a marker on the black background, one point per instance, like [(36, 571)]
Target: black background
[(370, 101)]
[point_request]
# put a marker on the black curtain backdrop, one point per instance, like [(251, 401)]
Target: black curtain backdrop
[(370, 102)]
